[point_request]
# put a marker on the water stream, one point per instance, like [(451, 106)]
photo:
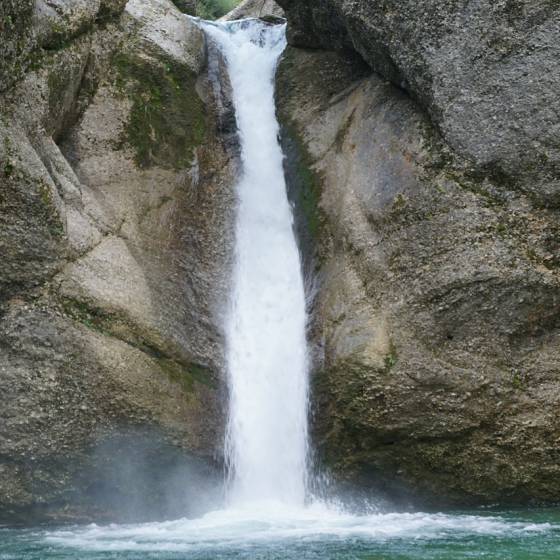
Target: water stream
[(267, 513), (266, 443)]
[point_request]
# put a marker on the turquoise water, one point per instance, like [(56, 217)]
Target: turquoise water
[(306, 534)]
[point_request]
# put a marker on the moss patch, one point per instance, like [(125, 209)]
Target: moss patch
[(186, 374), (186, 6), (167, 120), (92, 318), (109, 324), (391, 358), (17, 39), (213, 9), (304, 182)]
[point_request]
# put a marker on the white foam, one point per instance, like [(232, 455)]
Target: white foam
[(276, 523), (266, 343)]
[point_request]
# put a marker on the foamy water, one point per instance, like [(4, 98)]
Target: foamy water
[(237, 529), (266, 445)]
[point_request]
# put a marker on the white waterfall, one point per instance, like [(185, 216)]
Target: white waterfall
[(266, 443)]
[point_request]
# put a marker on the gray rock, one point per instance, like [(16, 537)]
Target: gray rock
[(116, 181), (434, 322), (29, 28), (487, 73)]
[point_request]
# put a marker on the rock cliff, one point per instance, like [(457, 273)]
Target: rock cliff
[(117, 153), (486, 72), (428, 209)]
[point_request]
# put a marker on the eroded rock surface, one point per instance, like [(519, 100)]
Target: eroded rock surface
[(435, 323), (487, 72), (117, 157)]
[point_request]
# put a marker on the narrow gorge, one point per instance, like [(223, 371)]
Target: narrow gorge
[(283, 285)]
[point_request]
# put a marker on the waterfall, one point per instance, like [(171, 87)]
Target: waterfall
[(266, 443)]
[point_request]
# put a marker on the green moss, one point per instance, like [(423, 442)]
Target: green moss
[(51, 215), (214, 9), (16, 32), (342, 133), (109, 324), (186, 6), (58, 82), (186, 375), (475, 186), (307, 183), (8, 169), (517, 380), (310, 198), (89, 316), (399, 203), (501, 229), (391, 358), (177, 374), (541, 260), (167, 120)]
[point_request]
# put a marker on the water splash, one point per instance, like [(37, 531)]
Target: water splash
[(266, 445), (309, 532)]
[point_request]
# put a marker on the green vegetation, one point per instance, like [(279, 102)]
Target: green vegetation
[(306, 181), (167, 120), (517, 380), (8, 165), (91, 317), (110, 324), (310, 197), (214, 9), (206, 9), (391, 358), (49, 210), (399, 203), (186, 374), (8, 169)]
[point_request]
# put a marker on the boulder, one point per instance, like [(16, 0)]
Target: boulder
[(487, 73)]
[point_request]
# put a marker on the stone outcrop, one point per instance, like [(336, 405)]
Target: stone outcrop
[(486, 72), (427, 203), (430, 228), (117, 156)]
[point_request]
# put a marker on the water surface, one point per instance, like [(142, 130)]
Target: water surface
[(312, 533)]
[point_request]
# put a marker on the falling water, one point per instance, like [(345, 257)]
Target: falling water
[(266, 443)]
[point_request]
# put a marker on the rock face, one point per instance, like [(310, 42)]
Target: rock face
[(116, 159), (429, 223), (487, 73), (430, 228)]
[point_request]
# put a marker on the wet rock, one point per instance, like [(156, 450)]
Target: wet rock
[(435, 318), (486, 73), (116, 194)]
